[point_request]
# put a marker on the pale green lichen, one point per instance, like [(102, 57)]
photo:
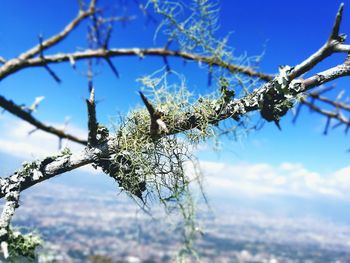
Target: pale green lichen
[(157, 167), (22, 248)]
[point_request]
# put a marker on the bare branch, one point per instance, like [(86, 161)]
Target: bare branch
[(16, 110), (331, 102), (16, 65), (61, 35), (331, 46), (92, 123), (311, 99), (329, 114)]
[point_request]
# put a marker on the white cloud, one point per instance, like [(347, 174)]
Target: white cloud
[(290, 179), (16, 141)]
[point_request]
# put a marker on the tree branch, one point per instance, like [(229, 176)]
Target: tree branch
[(41, 170), (231, 109), (16, 65), (61, 35), (12, 202), (329, 114), (16, 110), (273, 100), (332, 45)]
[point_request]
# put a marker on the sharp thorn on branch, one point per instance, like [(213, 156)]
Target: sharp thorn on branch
[(347, 129), (278, 125), (41, 55), (297, 112), (148, 105), (337, 125), (92, 120), (32, 131), (335, 30), (52, 74), (112, 67), (166, 63), (325, 132)]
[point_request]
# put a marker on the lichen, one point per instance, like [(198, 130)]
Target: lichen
[(22, 248)]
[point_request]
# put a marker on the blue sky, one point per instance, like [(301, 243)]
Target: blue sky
[(288, 32)]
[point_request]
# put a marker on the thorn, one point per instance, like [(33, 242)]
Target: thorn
[(53, 74), (312, 101), (108, 37), (325, 132), (236, 118), (149, 106), (278, 124), (297, 112), (32, 131), (337, 125), (112, 67), (166, 62), (335, 30), (347, 129)]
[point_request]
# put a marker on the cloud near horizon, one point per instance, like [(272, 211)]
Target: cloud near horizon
[(287, 179)]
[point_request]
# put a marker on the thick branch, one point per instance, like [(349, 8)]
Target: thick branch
[(12, 202), (38, 171), (254, 100)]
